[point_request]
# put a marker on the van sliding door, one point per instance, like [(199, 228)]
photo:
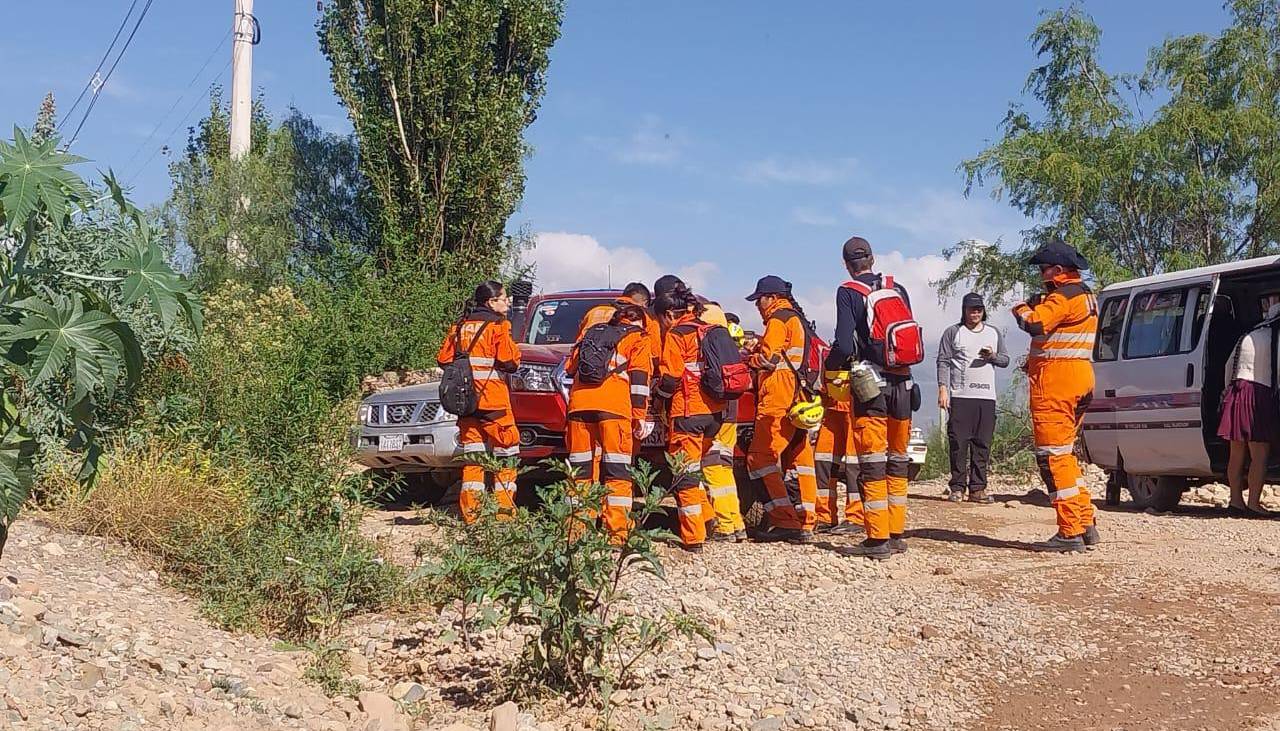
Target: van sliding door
[(1157, 406)]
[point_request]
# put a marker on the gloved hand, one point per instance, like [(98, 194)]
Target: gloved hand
[(1035, 300), (642, 430)]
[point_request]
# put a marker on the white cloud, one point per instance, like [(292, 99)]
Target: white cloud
[(810, 216), (940, 218), (652, 143), (801, 171), (577, 261)]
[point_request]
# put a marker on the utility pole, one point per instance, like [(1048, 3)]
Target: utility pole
[(245, 35)]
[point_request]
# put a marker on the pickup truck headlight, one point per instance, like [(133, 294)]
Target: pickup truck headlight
[(363, 413), (536, 378)]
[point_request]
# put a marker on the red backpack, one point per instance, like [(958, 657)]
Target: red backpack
[(894, 330), (724, 375)]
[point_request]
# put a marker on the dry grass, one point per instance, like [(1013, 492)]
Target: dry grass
[(157, 497)]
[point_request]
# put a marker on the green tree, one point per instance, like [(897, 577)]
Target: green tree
[(216, 198), (333, 202), (439, 95), (62, 340), (1194, 183)]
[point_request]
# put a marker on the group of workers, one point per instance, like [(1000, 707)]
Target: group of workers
[(822, 412)]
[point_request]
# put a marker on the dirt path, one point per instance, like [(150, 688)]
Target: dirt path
[(1171, 624)]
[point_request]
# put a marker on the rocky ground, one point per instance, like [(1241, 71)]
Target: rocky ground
[(1174, 623)]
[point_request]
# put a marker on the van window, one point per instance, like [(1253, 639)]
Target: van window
[(1110, 325), (1156, 324)]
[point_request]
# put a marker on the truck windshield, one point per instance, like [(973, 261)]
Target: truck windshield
[(556, 321)]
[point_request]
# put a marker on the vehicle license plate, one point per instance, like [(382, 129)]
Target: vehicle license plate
[(390, 442)]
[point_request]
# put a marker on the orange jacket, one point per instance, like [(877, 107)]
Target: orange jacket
[(604, 313), (493, 353), (1062, 324), (680, 371), (783, 342), (624, 394)]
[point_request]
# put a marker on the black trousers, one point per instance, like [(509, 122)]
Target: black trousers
[(970, 427)]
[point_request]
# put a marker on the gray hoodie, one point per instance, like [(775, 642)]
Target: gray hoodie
[(961, 370)]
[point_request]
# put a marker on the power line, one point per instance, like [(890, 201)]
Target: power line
[(97, 93), (165, 143), (137, 151), (94, 76)]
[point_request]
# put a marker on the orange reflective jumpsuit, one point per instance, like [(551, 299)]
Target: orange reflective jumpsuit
[(604, 313), (1060, 378), (834, 455), (717, 468), (486, 337), (696, 418), (600, 422), (777, 446)]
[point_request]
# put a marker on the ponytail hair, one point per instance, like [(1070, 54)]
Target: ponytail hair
[(804, 319), (678, 299), (485, 291)]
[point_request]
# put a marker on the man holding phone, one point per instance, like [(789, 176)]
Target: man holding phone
[(968, 355)]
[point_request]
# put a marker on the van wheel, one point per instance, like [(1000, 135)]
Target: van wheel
[(1161, 493), (913, 470)]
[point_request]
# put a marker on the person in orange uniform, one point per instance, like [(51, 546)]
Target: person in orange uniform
[(778, 446), (832, 454), (717, 468), (1061, 323), (695, 416), (881, 426), (635, 293), (606, 417), (484, 334)]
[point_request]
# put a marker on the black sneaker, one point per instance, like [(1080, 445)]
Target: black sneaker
[(897, 545), (845, 529), (824, 528), (876, 552), (692, 547), (981, 496), (1059, 544), (719, 537), (956, 496), (741, 536), (1091, 537)]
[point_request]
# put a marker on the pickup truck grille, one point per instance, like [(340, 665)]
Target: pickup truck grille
[(399, 414)]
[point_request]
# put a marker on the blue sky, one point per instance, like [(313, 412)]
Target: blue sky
[(724, 140)]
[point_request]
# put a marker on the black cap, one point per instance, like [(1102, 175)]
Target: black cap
[(665, 283), (769, 285), (856, 248), (971, 300), (1059, 253)]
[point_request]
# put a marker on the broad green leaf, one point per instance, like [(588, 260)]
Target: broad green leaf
[(34, 174), (66, 334), (17, 453), (147, 274)]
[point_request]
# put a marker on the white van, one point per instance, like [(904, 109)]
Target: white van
[(1160, 358)]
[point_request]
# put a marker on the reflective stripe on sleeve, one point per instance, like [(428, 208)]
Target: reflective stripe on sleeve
[(616, 458), (805, 470), (639, 390), (473, 448), (823, 457), (1064, 494), (695, 509), (473, 487), (874, 505), (507, 451), (1055, 449), (872, 457), (618, 501), (581, 456)]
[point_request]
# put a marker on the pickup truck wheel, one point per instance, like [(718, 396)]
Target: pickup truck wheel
[(1161, 493)]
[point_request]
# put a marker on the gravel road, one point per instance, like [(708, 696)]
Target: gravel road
[(1173, 623)]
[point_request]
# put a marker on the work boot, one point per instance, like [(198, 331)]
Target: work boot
[(897, 545), (1091, 537), (956, 496), (845, 529), (692, 547), (790, 535), (1059, 544), (740, 536), (719, 537), (981, 496), (824, 527), (878, 551)]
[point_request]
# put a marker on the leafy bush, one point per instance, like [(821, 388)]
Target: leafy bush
[(555, 571)]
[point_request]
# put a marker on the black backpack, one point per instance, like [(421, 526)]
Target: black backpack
[(458, 395), (809, 374), (596, 350), (724, 375)]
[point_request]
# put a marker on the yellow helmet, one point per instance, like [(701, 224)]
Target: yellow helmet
[(737, 333), (837, 385), (808, 414)]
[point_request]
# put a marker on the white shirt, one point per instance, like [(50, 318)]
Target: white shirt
[(1251, 360)]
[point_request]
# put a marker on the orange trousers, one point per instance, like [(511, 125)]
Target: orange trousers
[(500, 439), (881, 430), (1060, 391), (692, 441), (611, 440), (777, 447), (833, 454)]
